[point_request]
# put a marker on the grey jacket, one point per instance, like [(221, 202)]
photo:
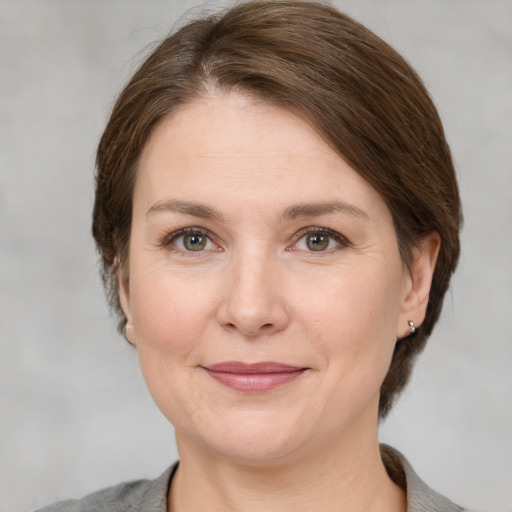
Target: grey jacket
[(151, 495)]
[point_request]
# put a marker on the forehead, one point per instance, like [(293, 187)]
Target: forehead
[(243, 149), (228, 125)]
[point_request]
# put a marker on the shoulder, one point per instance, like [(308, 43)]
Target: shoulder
[(420, 497), (147, 495)]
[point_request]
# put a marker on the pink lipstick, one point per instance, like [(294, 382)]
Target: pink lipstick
[(256, 377)]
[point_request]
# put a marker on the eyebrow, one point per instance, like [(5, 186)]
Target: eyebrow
[(185, 207), (318, 209), (292, 212)]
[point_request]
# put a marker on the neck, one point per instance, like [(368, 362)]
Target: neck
[(338, 477)]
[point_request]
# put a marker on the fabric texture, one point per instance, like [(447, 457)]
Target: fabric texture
[(151, 495)]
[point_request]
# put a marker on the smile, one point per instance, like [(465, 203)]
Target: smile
[(256, 377)]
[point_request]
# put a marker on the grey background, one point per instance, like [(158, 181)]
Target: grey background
[(75, 415)]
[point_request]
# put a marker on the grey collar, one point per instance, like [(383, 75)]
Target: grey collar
[(420, 497)]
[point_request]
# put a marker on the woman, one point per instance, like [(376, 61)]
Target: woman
[(277, 216)]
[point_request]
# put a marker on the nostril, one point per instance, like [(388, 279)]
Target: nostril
[(250, 332)]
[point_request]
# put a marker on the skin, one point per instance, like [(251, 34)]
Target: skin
[(257, 292)]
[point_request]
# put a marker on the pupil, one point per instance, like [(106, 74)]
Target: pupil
[(194, 242), (317, 242)]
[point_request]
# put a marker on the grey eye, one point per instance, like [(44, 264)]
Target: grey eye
[(321, 240), (194, 241), (317, 242), (191, 240)]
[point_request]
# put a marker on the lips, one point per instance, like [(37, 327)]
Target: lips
[(257, 377)]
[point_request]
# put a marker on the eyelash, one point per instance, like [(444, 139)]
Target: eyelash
[(333, 235), (169, 240)]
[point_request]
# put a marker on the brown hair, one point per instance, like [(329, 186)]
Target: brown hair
[(358, 93)]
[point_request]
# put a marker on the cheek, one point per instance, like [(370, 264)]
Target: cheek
[(169, 317), (168, 313), (356, 303), (353, 322)]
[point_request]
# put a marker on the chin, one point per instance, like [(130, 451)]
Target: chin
[(253, 439), (259, 451)]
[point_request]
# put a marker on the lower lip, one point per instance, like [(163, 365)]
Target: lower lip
[(256, 382)]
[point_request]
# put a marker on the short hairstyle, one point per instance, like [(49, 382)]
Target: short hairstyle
[(356, 91)]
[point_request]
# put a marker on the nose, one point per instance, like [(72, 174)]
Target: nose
[(253, 302)]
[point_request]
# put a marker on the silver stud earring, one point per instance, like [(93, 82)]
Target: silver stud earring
[(412, 327), (125, 333)]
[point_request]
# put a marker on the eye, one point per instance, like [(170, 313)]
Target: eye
[(316, 242), (320, 240), (191, 240)]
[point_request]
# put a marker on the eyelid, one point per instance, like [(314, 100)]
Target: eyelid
[(169, 238), (340, 239)]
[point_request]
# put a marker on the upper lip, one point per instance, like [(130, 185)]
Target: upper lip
[(253, 368)]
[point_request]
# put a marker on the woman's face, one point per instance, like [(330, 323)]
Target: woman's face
[(265, 290)]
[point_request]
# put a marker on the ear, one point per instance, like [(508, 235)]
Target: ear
[(122, 274), (418, 283)]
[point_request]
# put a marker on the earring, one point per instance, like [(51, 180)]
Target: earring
[(412, 327), (125, 333)]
